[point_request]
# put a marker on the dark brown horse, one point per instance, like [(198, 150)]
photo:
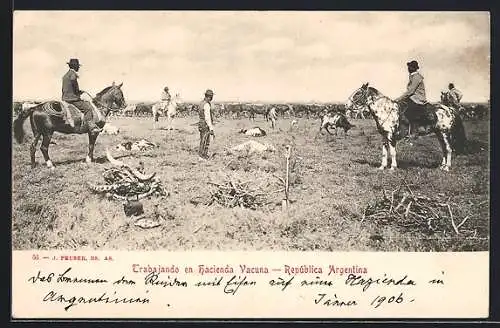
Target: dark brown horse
[(49, 117)]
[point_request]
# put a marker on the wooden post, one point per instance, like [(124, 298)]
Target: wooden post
[(285, 203)]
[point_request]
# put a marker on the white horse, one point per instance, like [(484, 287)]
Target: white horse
[(171, 111)]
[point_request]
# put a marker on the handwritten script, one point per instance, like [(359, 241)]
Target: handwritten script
[(143, 286)]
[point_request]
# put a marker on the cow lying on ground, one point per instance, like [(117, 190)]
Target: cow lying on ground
[(251, 147), (110, 129), (335, 120), (140, 145), (254, 132)]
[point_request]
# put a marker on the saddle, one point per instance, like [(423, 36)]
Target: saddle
[(420, 116), (68, 112)]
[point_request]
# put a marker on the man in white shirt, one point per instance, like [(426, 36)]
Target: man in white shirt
[(205, 126), (165, 98), (455, 96)]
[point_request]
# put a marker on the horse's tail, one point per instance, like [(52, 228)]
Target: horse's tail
[(19, 121), (458, 137)]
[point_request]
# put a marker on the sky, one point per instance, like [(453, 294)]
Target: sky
[(251, 55)]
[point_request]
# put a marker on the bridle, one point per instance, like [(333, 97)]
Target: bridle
[(359, 104), (103, 104)]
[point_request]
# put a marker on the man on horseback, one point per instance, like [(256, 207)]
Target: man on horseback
[(415, 101), (165, 98), (71, 94), (454, 96)]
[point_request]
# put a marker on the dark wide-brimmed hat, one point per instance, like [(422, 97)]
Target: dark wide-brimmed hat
[(74, 62), (209, 92), (412, 64)]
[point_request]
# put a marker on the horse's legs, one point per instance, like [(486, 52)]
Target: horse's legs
[(443, 148), (392, 152), (92, 139), (384, 156), (45, 149), (170, 118), (37, 136), (446, 147), (156, 120)]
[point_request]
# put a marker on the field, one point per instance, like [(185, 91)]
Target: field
[(332, 182)]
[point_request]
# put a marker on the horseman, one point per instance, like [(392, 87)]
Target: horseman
[(415, 101), (165, 99), (454, 96), (71, 94)]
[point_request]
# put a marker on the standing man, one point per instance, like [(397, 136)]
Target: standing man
[(272, 116), (414, 100), (205, 126), (455, 96), (71, 94)]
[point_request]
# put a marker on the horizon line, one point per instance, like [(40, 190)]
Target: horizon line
[(247, 101)]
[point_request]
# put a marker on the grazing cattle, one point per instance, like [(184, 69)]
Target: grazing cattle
[(361, 113), (129, 110), (140, 145), (315, 110), (301, 110), (143, 109), (234, 110), (336, 120), (254, 132), (255, 109), (110, 129)]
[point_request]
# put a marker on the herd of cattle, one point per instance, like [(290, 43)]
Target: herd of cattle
[(251, 111)]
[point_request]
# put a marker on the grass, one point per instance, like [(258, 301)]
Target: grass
[(333, 180)]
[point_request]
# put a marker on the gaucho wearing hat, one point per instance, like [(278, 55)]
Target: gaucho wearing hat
[(205, 126), (71, 93), (414, 100), (165, 98)]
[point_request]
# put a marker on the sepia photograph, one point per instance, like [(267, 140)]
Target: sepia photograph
[(324, 131)]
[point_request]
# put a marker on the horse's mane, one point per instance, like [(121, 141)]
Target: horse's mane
[(374, 91), (106, 89), (377, 94)]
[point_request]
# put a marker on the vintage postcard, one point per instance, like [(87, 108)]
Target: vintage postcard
[(250, 164)]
